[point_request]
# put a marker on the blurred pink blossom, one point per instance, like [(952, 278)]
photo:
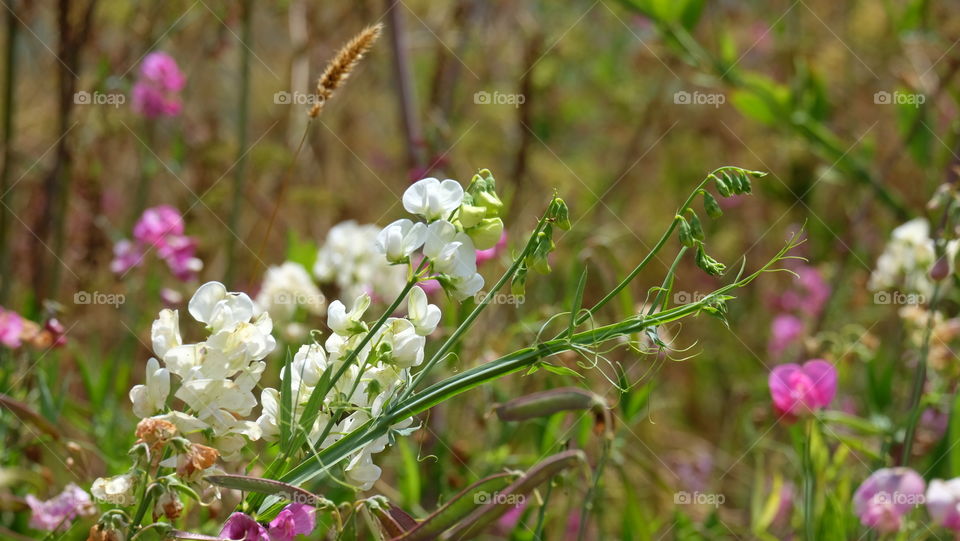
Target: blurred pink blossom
[(812, 296), (886, 496), (11, 328), (943, 503), (160, 228), (798, 390), (785, 330), (156, 91), (58, 512)]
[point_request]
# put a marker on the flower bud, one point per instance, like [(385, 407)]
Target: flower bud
[(489, 201), (118, 490), (941, 269), (487, 233), (711, 206), (470, 215)]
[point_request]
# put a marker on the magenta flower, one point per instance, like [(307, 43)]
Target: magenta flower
[(156, 91), (157, 225), (11, 328), (295, 519), (798, 390), (785, 330), (241, 527), (486, 255), (812, 295), (160, 228), (943, 503), (58, 512), (126, 255), (886, 496)]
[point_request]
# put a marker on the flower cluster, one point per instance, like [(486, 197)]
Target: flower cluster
[(285, 289), (160, 228), (58, 512), (908, 259), (458, 223), (217, 376), (156, 91), (15, 331), (295, 519), (373, 377), (349, 260)]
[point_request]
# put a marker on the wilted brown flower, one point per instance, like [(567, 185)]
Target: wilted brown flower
[(168, 505), (155, 432), (197, 459), (99, 533)]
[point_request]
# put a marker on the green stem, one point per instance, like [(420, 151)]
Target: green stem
[(809, 482), (240, 179), (919, 378)]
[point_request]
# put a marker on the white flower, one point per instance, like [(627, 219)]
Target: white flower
[(268, 420), (216, 401), (362, 471), (943, 501), (349, 258), (439, 234), (406, 346), (433, 199), (908, 258), (342, 322), (116, 490), (307, 366), (285, 288), (165, 332), (451, 251), (422, 314), (214, 305), (151, 397), (466, 287), (400, 239)]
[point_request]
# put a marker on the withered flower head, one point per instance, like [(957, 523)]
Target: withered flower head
[(155, 432), (196, 459)]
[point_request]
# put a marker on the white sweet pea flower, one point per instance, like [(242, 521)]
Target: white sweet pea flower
[(439, 234), (457, 259), (466, 287), (269, 418), (151, 397), (400, 239), (342, 322), (362, 471), (307, 366), (214, 305), (185, 423), (217, 401), (165, 332), (421, 313), (116, 490), (287, 287), (406, 346), (433, 199)]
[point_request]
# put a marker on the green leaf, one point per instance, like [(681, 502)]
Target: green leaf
[(577, 301), (955, 437), (302, 251), (560, 370), (286, 403), (269, 487)]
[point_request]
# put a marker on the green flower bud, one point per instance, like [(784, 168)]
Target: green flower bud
[(723, 188), (487, 233), (559, 214), (470, 215), (490, 201), (711, 206), (695, 228), (686, 234)]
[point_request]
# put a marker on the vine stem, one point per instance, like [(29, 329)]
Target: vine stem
[(919, 378), (808, 484)]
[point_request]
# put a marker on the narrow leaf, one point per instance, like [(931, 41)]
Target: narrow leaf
[(264, 486)]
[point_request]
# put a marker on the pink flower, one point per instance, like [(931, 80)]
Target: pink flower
[(156, 91), (179, 253), (886, 496), (157, 224), (57, 512), (294, 520), (11, 328), (943, 503), (785, 330), (126, 255), (798, 390), (241, 527), (486, 255), (812, 296)]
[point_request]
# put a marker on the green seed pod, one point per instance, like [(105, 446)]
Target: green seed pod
[(711, 206), (695, 228), (686, 233)]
